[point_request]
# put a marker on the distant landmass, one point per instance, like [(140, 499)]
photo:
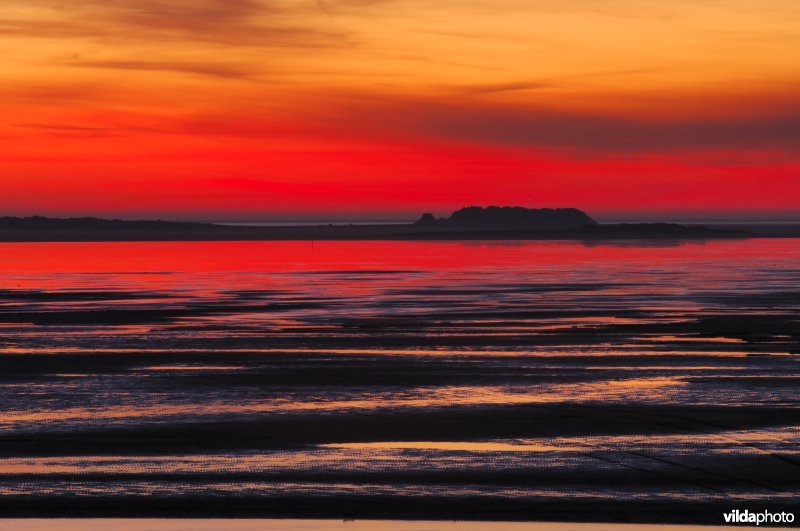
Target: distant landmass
[(509, 218), (470, 223)]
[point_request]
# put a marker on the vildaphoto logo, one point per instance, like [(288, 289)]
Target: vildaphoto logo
[(765, 517)]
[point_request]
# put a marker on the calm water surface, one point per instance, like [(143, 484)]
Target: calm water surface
[(531, 379)]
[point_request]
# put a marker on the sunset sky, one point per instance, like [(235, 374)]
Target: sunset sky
[(266, 109)]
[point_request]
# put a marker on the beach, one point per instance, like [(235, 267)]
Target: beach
[(562, 381)]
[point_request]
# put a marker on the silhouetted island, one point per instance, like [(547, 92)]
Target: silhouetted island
[(470, 223), (508, 217)]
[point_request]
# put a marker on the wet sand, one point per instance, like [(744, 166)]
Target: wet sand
[(436, 381), (325, 525)]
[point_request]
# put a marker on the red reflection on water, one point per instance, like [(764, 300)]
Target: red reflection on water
[(24, 261)]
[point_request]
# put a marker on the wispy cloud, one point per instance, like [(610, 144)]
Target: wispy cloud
[(231, 22), (491, 88), (89, 131), (223, 70), (74, 127)]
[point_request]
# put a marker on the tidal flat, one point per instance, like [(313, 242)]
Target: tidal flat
[(648, 382)]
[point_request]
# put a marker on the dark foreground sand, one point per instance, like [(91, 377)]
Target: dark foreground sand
[(327, 525)]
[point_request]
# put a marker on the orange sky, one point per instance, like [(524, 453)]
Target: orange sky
[(258, 109)]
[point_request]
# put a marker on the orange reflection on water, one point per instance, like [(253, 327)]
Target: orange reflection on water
[(618, 390), (367, 455), (455, 446)]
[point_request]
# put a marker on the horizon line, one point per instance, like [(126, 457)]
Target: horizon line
[(339, 218)]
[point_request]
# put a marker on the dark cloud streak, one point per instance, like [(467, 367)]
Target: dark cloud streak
[(467, 118), (502, 125)]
